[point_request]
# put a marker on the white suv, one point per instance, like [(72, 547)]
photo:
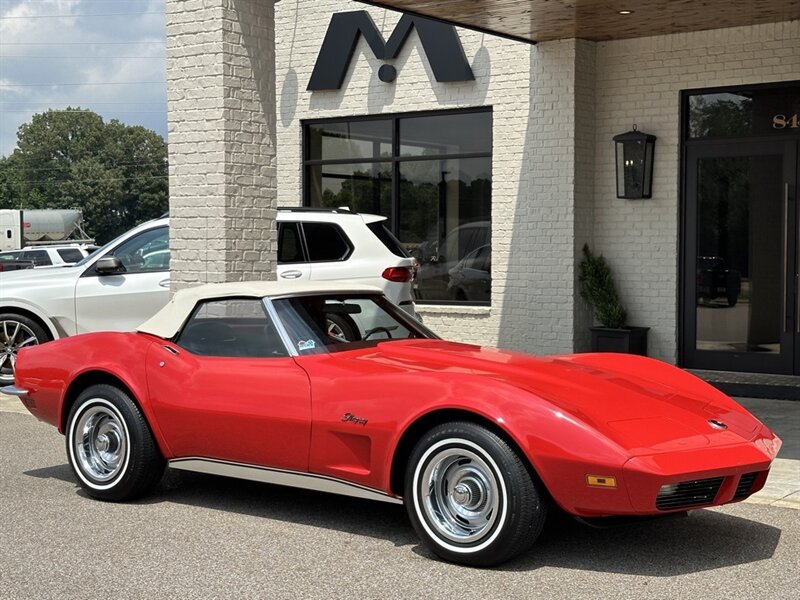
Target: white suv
[(317, 244), (48, 256), (127, 281)]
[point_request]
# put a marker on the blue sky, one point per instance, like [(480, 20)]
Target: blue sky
[(103, 55)]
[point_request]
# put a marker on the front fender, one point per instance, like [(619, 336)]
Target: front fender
[(52, 328), (561, 448)]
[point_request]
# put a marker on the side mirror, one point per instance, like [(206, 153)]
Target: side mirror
[(109, 265)]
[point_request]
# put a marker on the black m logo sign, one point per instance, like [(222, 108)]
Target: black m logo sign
[(439, 42)]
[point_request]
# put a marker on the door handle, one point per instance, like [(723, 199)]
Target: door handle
[(164, 283), (785, 254), (291, 274)]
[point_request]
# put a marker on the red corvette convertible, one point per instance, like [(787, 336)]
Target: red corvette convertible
[(336, 389)]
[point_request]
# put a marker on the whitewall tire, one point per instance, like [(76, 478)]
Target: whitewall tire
[(470, 496), (110, 446)]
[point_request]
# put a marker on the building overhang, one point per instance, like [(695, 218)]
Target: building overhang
[(597, 20)]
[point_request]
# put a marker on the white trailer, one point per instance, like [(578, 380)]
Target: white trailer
[(21, 228)]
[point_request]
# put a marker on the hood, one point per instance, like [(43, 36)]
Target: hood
[(644, 405), (14, 283)]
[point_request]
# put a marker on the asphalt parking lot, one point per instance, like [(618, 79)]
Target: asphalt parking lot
[(210, 537)]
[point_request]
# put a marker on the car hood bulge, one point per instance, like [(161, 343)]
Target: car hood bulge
[(644, 405)]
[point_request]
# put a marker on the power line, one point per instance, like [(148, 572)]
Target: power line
[(88, 1), (120, 112), (122, 164), (77, 108), (81, 180), (18, 85), (93, 57), (80, 43), (81, 15)]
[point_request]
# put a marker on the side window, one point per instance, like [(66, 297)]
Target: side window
[(482, 259), (326, 242), (70, 255), (233, 327), (146, 252), (40, 258), (290, 249), (10, 255)]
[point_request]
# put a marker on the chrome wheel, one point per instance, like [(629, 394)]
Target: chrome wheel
[(335, 331), (100, 443), (470, 496), (460, 493), (14, 336)]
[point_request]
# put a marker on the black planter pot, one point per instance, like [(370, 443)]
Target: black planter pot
[(630, 340)]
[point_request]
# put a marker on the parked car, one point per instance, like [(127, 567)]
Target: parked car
[(436, 261), (471, 278), (715, 280), (127, 281), (242, 379), (322, 244), (48, 256), (9, 264)]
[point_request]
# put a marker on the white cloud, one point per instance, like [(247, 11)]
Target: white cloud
[(39, 54)]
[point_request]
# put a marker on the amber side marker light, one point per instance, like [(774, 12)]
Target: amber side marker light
[(604, 481)]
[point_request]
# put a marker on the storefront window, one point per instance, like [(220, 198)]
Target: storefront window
[(430, 175)]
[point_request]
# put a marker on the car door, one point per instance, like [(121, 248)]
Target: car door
[(122, 301), (293, 262), (227, 389)]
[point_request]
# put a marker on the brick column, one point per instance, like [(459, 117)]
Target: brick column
[(221, 111), (542, 310)]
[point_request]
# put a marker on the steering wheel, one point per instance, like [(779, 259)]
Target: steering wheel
[(386, 330)]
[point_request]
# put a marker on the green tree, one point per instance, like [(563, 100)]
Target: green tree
[(115, 173)]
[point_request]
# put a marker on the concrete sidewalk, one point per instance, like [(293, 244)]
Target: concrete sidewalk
[(782, 416)]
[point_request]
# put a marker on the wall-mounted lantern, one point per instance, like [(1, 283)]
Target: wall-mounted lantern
[(634, 164)]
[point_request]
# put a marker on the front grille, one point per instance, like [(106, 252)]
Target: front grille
[(745, 485), (688, 493)]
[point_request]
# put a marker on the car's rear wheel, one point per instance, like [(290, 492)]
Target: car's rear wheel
[(16, 332), (470, 497), (110, 447)]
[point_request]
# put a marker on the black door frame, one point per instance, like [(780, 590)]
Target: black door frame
[(784, 362)]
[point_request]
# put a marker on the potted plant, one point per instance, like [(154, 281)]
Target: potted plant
[(597, 287)]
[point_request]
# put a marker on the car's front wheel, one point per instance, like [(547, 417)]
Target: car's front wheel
[(16, 332), (110, 447), (470, 497)]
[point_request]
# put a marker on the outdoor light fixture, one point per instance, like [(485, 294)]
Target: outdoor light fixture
[(634, 164)]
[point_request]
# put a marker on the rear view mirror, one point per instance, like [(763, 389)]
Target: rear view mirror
[(340, 308)]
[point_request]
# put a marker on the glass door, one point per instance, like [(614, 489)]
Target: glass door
[(740, 260)]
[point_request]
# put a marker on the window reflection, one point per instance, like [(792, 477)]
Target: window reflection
[(739, 266), (444, 215), (435, 190)]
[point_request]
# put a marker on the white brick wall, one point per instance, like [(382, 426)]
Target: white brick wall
[(639, 81), (221, 99), (556, 107), (532, 168)]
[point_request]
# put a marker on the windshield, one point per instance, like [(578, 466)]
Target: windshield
[(324, 323)]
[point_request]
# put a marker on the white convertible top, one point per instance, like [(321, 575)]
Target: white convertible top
[(166, 322)]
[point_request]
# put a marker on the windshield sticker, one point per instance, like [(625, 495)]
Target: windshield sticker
[(306, 345)]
